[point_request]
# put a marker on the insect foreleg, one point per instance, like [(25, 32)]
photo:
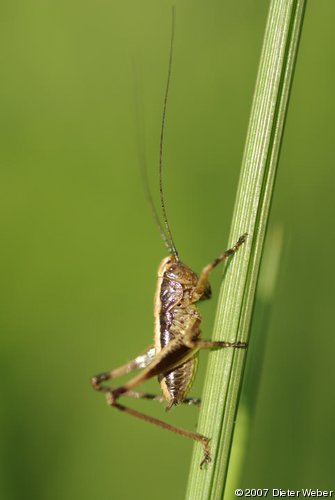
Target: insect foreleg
[(140, 361), (203, 278)]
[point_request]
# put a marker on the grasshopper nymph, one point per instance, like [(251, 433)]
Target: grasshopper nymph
[(173, 355)]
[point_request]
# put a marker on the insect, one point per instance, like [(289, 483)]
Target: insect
[(173, 356)]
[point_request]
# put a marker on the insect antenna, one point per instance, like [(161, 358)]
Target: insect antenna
[(145, 180), (142, 157), (161, 192), (165, 230)]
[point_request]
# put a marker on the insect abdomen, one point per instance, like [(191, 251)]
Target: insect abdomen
[(176, 384), (175, 315)]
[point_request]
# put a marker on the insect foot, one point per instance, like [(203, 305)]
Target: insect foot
[(237, 245), (110, 398), (207, 456), (241, 240), (96, 381), (240, 345)]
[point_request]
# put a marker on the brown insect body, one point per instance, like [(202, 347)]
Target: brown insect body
[(175, 314), (173, 358)]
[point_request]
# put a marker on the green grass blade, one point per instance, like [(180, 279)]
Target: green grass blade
[(225, 369)]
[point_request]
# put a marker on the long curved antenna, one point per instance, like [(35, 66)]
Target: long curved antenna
[(166, 223), (142, 156), (164, 237)]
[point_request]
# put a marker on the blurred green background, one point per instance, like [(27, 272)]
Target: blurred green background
[(81, 97)]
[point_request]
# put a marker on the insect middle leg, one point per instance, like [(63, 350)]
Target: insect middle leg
[(192, 341), (213, 344), (160, 398), (141, 361)]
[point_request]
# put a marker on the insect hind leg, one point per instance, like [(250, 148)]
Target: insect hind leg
[(112, 396), (163, 361)]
